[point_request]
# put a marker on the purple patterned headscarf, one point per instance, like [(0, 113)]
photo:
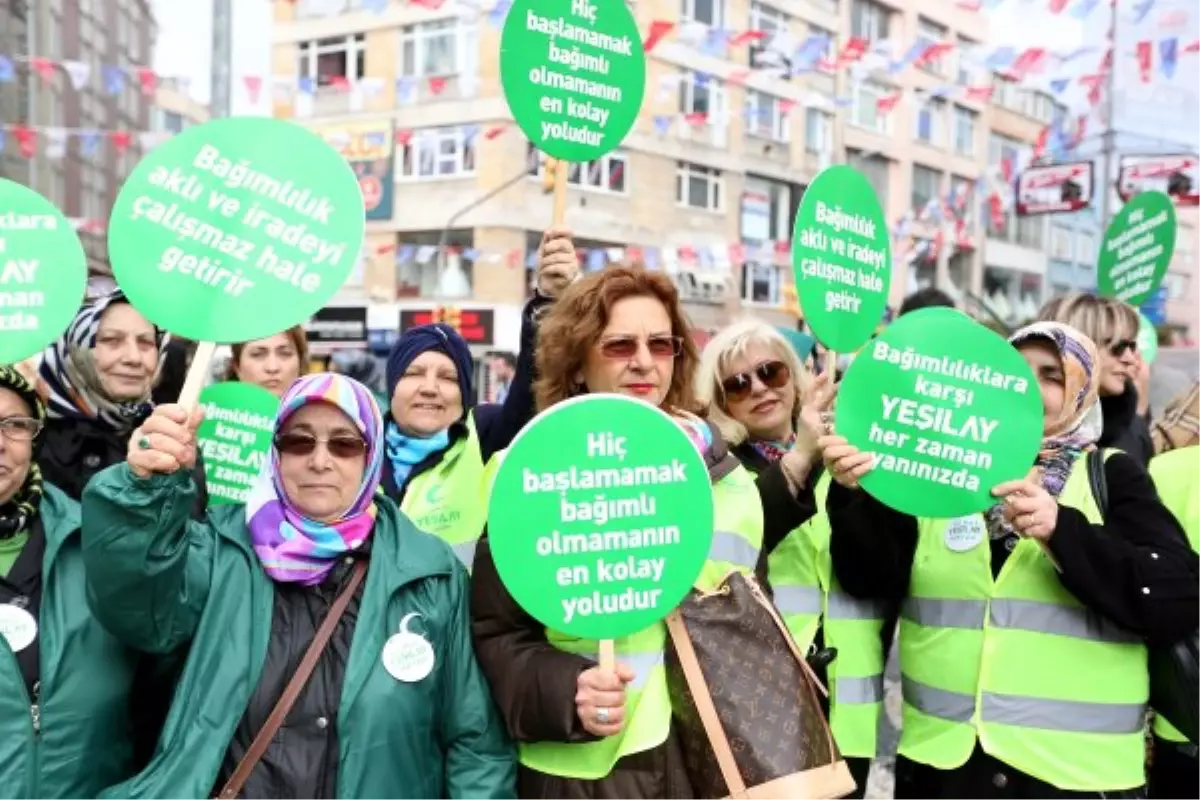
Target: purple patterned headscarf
[(292, 547)]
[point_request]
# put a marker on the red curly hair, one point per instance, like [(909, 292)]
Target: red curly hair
[(573, 325)]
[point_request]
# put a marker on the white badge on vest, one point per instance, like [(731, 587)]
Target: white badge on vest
[(964, 533), (408, 656), (17, 626)]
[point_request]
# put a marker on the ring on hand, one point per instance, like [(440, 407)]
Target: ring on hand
[(602, 716), (143, 442)]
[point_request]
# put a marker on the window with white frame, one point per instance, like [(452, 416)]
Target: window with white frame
[(964, 131), (929, 122), (438, 49), (438, 153), (767, 19), (699, 187), (1060, 243), (326, 60), (865, 112), (609, 173), (1086, 248), (926, 186), (932, 33), (877, 169), (700, 94), (319, 8), (765, 117), (708, 12), (818, 132), (870, 20), (964, 54), (761, 283)]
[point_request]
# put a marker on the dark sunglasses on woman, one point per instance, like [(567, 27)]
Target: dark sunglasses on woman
[(772, 374), (623, 348), (1119, 346), (303, 444)]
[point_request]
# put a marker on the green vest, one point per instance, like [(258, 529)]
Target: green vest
[(1176, 475), (1017, 663), (737, 540), (805, 587), (450, 500)]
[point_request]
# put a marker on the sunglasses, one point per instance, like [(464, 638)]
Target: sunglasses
[(303, 444), (1118, 347), (772, 374), (624, 348), (20, 429)]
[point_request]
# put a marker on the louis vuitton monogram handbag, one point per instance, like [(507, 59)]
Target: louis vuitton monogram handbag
[(745, 702)]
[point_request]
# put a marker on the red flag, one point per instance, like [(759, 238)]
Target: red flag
[(1145, 56), (1043, 139), (1080, 130), (1057, 6), (997, 212), (494, 131), (933, 52), (634, 254), (737, 253), (1194, 47), (403, 137), (1006, 169), (687, 254), (437, 85), (121, 140), (44, 67), (786, 104), (340, 83), (979, 94), (26, 140), (1031, 61), (513, 258), (253, 86), (696, 118), (738, 77), (884, 105), (746, 37), (432, 5), (852, 51), (658, 31), (147, 79)]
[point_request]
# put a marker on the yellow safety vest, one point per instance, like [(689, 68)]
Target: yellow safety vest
[(1176, 475), (450, 500), (737, 541), (1017, 663)]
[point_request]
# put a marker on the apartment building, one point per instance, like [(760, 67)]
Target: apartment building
[(107, 38), (175, 108), (707, 183)]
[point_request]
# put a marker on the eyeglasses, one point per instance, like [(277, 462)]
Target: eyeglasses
[(772, 374), (624, 348), (1119, 346), (20, 429), (303, 444)]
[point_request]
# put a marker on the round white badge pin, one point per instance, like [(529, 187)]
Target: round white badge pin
[(408, 656), (17, 626), (964, 533)]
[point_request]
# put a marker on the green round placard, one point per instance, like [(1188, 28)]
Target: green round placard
[(235, 437), (574, 74), (236, 229), (1137, 248), (43, 272), (1147, 339), (950, 409), (842, 258), (600, 517)]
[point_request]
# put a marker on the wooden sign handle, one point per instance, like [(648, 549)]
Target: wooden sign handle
[(608, 656), (197, 374), (560, 193)]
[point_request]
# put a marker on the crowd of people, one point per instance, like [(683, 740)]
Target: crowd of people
[(345, 632)]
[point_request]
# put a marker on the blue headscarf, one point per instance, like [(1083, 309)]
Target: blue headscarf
[(404, 452)]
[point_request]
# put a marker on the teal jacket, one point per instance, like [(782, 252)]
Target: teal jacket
[(159, 579), (82, 743)]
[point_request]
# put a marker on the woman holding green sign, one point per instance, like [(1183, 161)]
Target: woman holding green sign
[(437, 444), (619, 331), (65, 682), (1023, 631), (329, 642)]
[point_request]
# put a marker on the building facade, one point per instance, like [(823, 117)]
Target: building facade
[(104, 42), (706, 185)]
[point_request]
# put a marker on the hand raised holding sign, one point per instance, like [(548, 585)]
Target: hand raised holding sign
[(845, 462), (165, 442), (600, 699), (558, 263), (1031, 510)]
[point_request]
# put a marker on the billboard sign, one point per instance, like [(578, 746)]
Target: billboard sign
[(1055, 188)]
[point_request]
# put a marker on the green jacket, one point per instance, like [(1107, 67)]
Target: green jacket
[(82, 744), (159, 579)]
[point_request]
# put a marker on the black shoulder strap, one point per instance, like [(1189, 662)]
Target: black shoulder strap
[(1096, 477)]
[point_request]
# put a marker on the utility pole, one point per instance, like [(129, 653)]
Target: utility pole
[(222, 58), (1108, 147)]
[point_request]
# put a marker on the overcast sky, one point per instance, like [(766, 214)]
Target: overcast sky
[(185, 39)]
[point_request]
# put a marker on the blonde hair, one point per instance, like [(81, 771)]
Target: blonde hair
[(731, 343), (1104, 320)]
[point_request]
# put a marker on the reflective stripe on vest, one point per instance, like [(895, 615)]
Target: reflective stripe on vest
[(1176, 475), (736, 543), (450, 500), (794, 572), (1019, 665)]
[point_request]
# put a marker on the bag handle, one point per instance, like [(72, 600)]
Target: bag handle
[(704, 705), (291, 692)]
